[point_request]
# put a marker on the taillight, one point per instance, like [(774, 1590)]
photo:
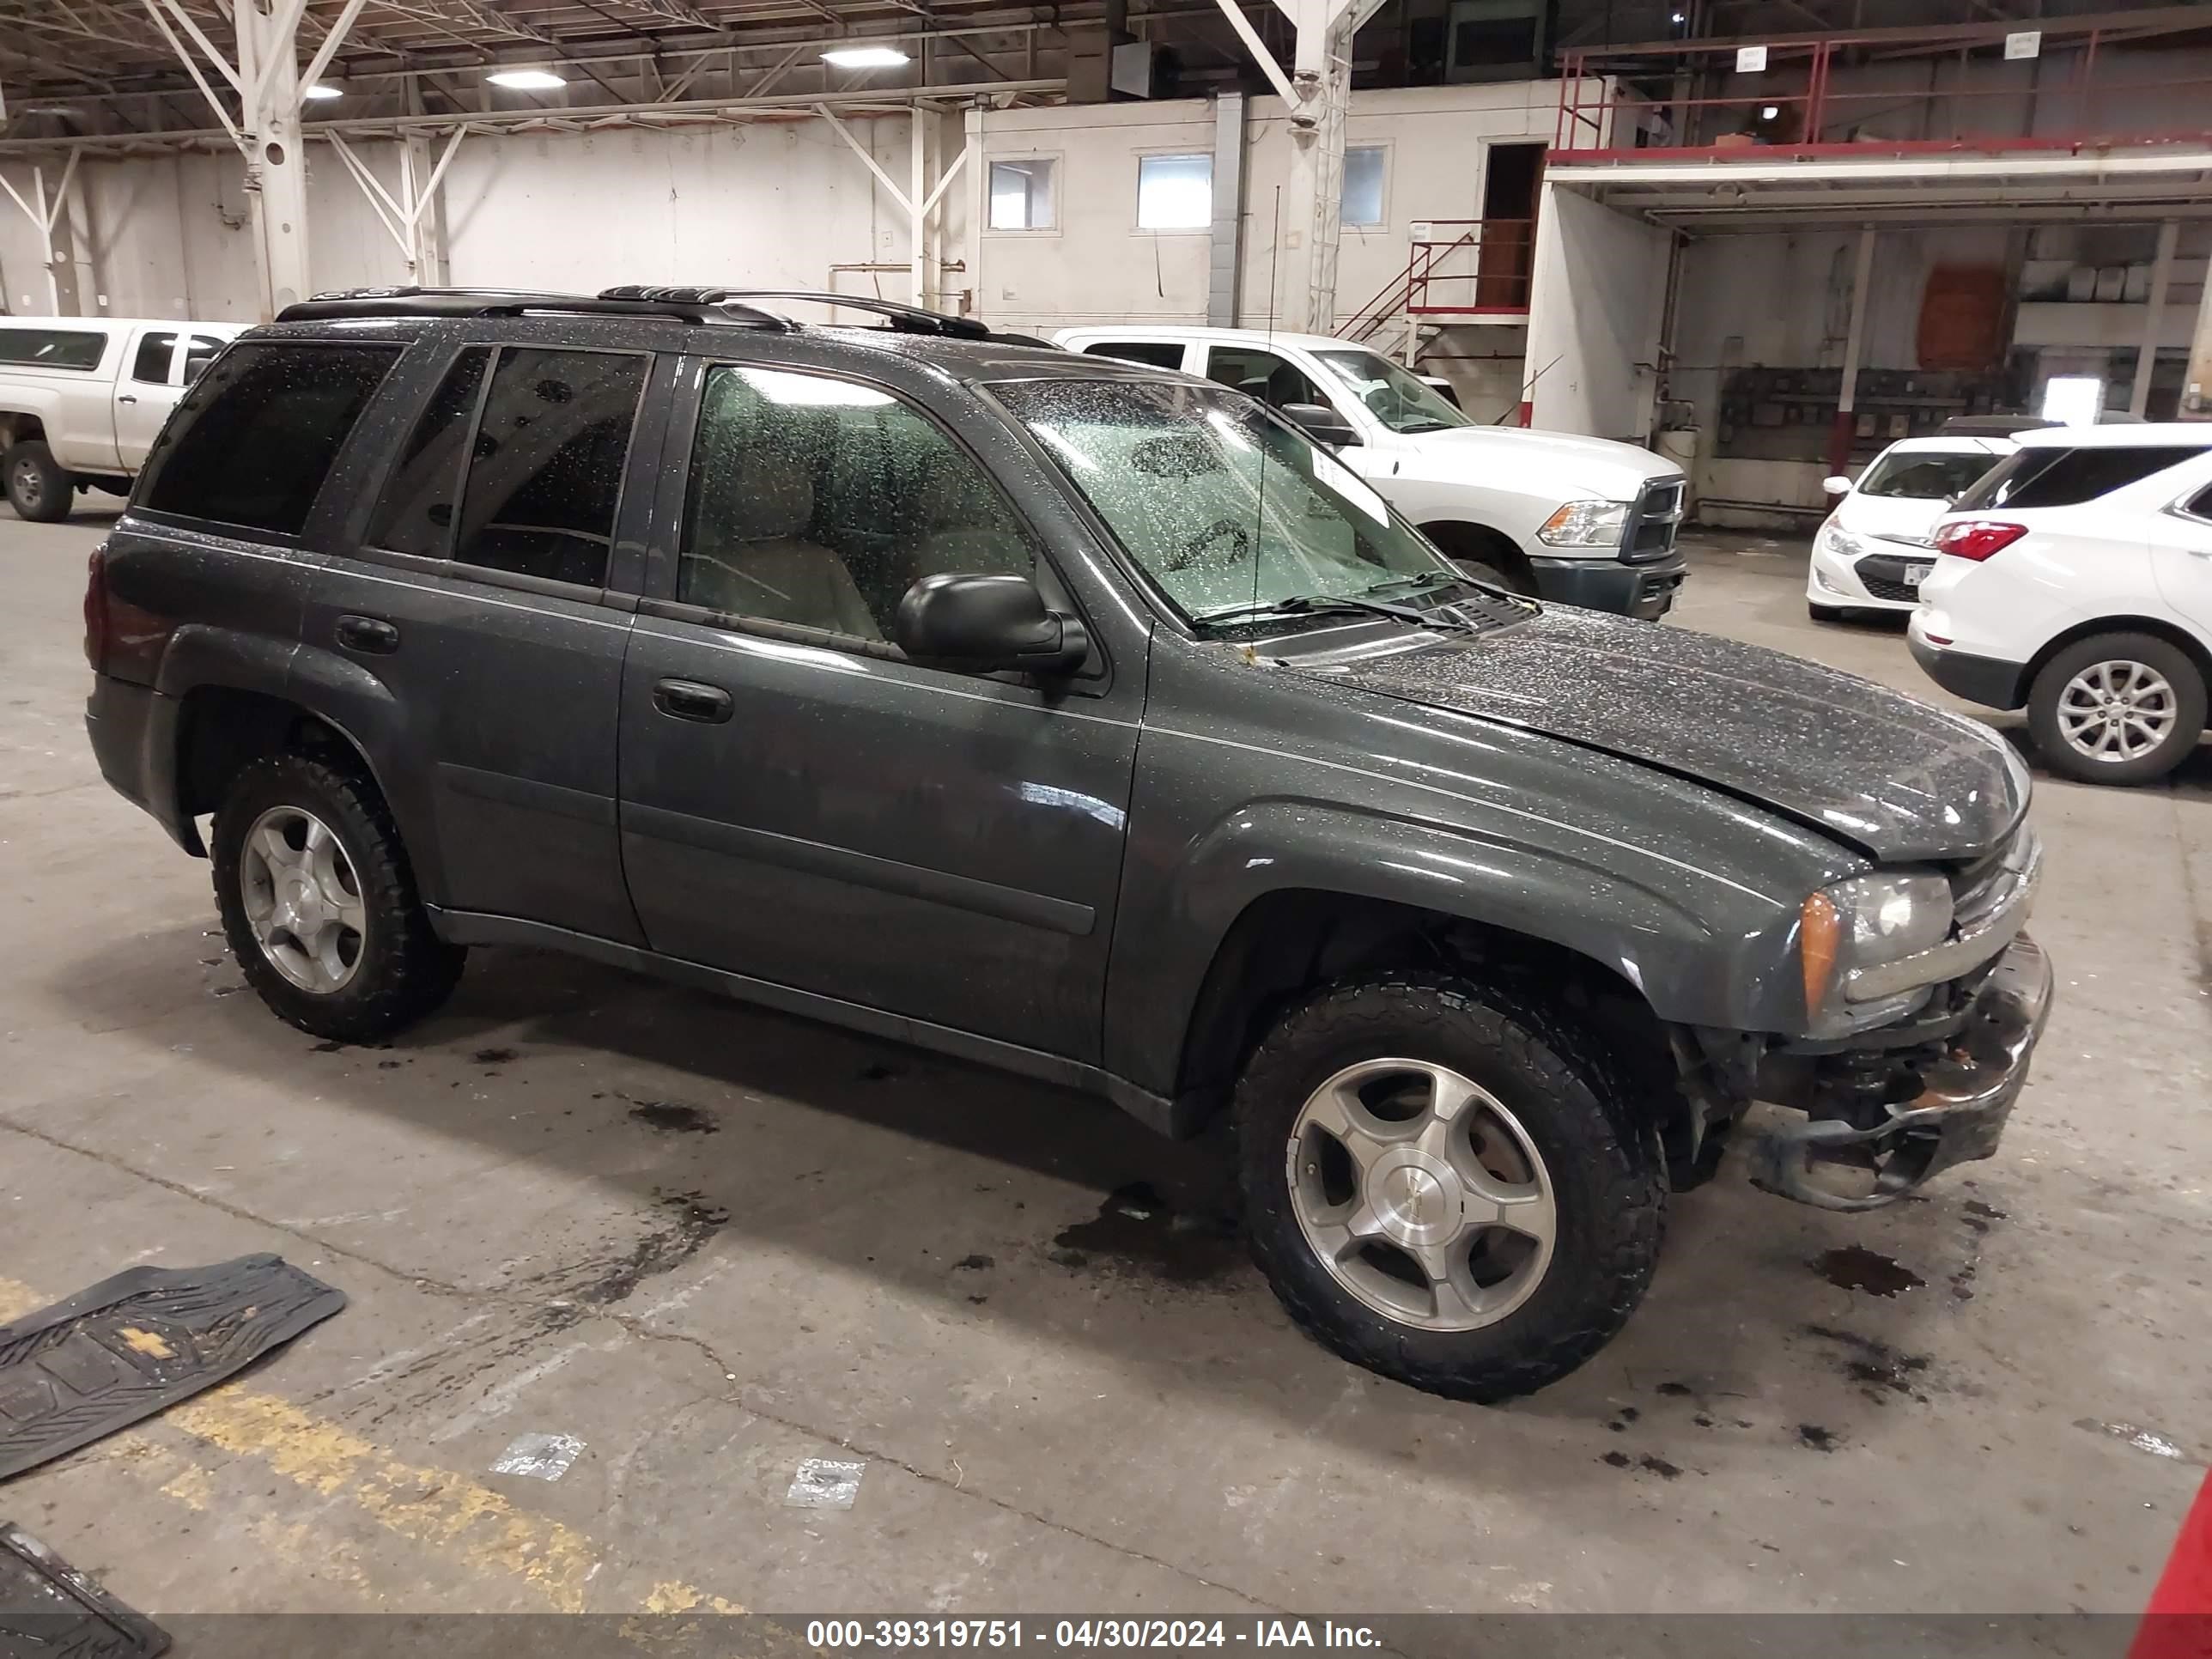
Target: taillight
[(1977, 538), (95, 607)]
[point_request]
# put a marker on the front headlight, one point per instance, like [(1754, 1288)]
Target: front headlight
[(1585, 524), (1865, 923), (1838, 542)]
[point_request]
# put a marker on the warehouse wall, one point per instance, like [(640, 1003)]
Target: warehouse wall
[(775, 205), (1095, 264), (1594, 328)]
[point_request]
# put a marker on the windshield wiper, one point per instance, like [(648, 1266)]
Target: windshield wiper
[(1330, 604)]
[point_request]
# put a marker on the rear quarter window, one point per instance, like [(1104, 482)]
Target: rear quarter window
[(1153, 354), (254, 440), (2049, 476)]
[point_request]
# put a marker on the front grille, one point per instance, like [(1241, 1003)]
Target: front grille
[(1652, 521), (1883, 575)]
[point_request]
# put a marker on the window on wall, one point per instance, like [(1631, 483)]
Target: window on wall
[(1175, 192), (1021, 195), (1361, 200)]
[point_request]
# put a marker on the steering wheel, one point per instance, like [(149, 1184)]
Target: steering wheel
[(1206, 539)]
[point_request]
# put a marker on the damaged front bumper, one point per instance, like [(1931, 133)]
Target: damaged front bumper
[(1909, 1113)]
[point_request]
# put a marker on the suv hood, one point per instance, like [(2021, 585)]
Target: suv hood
[(1588, 467), (1901, 780)]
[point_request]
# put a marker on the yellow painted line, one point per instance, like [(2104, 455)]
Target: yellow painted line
[(447, 1510)]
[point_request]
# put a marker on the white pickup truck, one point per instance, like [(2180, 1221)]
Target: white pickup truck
[(1575, 520), (83, 398)]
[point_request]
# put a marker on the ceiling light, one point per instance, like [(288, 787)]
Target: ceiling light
[(1769, 111), (526, 80), (865, 56), (323, 89)]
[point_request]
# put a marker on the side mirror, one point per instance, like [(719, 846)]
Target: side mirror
[(984, 623), (1321, 423), (1836, 484)]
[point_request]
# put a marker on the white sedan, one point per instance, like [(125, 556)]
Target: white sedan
[(1872, 550)]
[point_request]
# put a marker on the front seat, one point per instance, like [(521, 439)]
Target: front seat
[(756, 564)]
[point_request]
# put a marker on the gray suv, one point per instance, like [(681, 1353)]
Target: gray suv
[(1075, 717)]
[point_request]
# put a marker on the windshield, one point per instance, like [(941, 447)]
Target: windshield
[(1397, 397), (1223, 505), (1928, 476)]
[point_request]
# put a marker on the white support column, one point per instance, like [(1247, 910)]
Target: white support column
[(917, 215), (1840, 437), (2161, 273), (276, 154), (1317, 91), (51, 216)]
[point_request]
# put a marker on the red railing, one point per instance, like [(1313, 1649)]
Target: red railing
[(2067, 94), (1503, 252)]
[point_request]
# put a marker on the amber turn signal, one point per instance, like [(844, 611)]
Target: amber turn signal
[(1819, 932)]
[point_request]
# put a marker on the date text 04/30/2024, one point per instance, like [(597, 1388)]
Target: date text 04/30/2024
[(834, 1635)]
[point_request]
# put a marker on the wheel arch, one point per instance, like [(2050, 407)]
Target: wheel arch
[(2157, 628), (222, 728), (1462, 538)]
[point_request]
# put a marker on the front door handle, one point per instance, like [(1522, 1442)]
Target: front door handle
[(688, 699), (373, 635)]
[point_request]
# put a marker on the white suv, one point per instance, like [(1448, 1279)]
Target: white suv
[(1872, 551), (1573, 521), (2076, 578)]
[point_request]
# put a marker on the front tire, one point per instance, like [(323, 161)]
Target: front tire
[(1827, 613), (1445, 1184), (39, 488), (319, 906), (2118, 709)]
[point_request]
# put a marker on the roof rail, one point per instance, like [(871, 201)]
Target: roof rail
[(683, 305), (906, 319)]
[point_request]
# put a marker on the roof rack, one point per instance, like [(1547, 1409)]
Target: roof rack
[(905, 319), (683, 305)]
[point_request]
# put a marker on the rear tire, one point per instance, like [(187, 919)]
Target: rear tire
[(39, 488), (2117, 708), (1353, 1230), (319, 903)]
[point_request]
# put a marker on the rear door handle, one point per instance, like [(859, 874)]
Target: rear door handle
[(370, 634), (688, 699), (128, 397)]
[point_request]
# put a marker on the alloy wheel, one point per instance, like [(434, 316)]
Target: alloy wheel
[(2113, 712), (1422, 1194), (303, 899)]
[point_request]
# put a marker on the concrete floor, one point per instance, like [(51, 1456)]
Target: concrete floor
[(709, 1243)]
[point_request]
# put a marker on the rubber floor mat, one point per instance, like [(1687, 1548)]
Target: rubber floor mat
[(136, 1344), (49, 1609)]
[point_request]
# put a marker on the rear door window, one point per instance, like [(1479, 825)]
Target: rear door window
[(1262, 374), (545, 469), (2052, 476), (1155, 354), (200, 350), (151, 364), (252, 442), (416, 514)]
